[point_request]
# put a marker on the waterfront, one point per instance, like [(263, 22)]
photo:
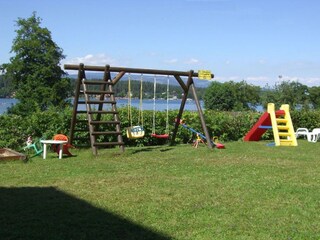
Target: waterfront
[(148, 104)]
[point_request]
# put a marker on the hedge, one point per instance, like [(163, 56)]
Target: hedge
[(227, 126)]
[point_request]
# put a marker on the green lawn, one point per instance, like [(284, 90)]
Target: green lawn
[(246, 191)]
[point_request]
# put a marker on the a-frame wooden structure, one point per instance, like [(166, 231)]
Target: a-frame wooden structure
[(106, 96)]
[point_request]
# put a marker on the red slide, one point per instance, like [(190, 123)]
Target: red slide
[(256, 132)]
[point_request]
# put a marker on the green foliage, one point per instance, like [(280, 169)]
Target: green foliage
[(227, 126), (288, 92), (6, 87), (14, 129), (314, 97), (231, 96), (34, 70), (306, 118)]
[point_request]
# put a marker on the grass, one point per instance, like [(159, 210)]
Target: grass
[(246, 191)]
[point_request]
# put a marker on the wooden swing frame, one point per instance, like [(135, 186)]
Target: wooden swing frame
[(121, 71)]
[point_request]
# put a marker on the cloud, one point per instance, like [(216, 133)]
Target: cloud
[(171, 61), (100, 59), (192, 61), (262, 61), (226, 79), (258, 79)]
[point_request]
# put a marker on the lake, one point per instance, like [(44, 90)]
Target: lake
[(161, 104)]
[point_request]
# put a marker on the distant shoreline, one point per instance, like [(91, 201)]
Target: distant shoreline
[(147, 104)]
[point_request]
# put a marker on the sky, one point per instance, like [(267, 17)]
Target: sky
[(259, 41)]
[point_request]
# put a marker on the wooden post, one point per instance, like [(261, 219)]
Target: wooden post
[(81, 75), (183, 103), (203, 123)]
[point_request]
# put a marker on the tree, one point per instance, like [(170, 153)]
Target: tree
[(6, 88), (315, 97), (230, 96), (34, 70), (288, 92)]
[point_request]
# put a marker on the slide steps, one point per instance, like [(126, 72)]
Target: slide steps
[(280, 123)]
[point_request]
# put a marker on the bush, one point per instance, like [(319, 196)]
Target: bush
[(14, 129), (227, 126)]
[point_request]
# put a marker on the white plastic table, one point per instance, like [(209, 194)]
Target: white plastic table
[(45, 142)]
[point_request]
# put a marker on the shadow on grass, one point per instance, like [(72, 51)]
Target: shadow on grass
[(47, 213), (150, 149)]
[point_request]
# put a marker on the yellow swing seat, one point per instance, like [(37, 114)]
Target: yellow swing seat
[(135, 132)]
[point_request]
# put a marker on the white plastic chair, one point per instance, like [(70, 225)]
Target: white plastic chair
[(313, 136), (302, 132)]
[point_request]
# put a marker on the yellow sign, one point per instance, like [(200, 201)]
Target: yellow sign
[(204, 74)]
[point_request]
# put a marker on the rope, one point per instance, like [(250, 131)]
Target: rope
[(154, 104), (129, 100), (167, 119), (140, 120)]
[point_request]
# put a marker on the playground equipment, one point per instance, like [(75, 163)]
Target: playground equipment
[(201, 136), (90, 120), (166, 134), (35, 146), (197, 141), (9, 154), (280, 123), (134, 132)]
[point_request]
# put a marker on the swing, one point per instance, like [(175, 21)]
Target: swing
[(134, 132), (166, 134)]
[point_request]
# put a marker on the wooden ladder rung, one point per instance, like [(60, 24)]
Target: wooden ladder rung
[(98, 92), (103, 112), (81, 102), (81, 111), (101, 101), (96, 82)]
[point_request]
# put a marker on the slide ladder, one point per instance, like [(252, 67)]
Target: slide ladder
[(282, 126)]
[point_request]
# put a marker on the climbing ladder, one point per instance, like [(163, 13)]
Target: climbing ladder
[(282, 127), (99, 100)]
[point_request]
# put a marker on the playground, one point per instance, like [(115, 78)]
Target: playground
[(248, 191)]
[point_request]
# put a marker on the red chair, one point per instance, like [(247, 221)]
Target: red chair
[(66, 146)]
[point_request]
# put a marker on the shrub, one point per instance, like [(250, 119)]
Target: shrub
[(227, 126)]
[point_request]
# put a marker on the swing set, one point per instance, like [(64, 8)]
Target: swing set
[(135, 132), (106, 96)]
